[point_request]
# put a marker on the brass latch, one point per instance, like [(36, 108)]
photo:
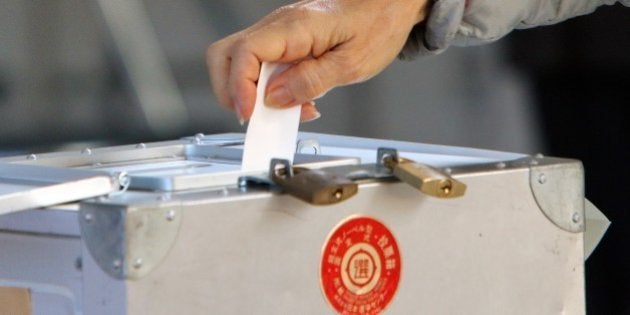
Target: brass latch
[(421, 176)]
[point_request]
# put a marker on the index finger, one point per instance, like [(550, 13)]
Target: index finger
[(273, 43), (218, 62)]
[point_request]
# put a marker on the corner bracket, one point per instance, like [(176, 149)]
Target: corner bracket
[(128, 243), (558, 188)]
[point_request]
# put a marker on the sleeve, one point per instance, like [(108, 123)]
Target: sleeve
[(473, 22)]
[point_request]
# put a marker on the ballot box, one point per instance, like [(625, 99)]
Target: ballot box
[(350, 226)]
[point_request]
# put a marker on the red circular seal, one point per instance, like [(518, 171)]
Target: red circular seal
[(360, 266)]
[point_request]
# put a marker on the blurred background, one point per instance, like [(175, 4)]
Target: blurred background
[(76, 73)]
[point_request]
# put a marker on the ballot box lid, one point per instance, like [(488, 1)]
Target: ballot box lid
[(196, 162), (33, 186)]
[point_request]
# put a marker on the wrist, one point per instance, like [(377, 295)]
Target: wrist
[(423, 10)]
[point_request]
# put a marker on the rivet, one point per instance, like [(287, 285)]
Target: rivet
[(31, 157), (198, 138), (170, 215), (542, 178), (88, 217), (448, 170), (501, 165), (137, 263), (539, 155), (141, 146), (116, 264), (86, 151), (123, 179), (576, 217)]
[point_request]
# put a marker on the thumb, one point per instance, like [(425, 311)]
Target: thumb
[(304, 81)]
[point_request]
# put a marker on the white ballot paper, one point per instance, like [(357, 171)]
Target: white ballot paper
[(272, 132)]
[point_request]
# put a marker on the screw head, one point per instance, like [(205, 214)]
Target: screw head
[(137, 263), (170, 215), (198, 138), (542, 178), (576, 217)]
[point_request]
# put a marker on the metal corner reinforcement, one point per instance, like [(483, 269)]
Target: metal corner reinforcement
[(127, 243), (558, 189)]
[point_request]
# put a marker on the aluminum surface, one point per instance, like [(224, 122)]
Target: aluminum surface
[(215, 247), (30, 186), (487, 254)]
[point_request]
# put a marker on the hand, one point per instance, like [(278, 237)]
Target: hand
[(328, 42)]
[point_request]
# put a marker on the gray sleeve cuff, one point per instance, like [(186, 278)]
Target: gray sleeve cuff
[(473, 22), (436, 33)]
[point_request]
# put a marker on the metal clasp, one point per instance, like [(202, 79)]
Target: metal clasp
[(423, 177), (311, 185)]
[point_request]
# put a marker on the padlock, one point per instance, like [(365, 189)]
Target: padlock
[(421, 176), (311, 185)]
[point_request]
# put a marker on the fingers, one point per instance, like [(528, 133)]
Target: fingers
[(234, 72), (327, 42), (305, 81), (242, 79), (234, 65), (218, 63), (309, 112)]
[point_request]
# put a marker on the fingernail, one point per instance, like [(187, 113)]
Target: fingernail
[(279, 97), (239, 114), (315, 116)]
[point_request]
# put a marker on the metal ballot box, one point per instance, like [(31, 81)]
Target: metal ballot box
[(352, 226)]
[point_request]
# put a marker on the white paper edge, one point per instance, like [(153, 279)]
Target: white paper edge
[(271, 132)]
